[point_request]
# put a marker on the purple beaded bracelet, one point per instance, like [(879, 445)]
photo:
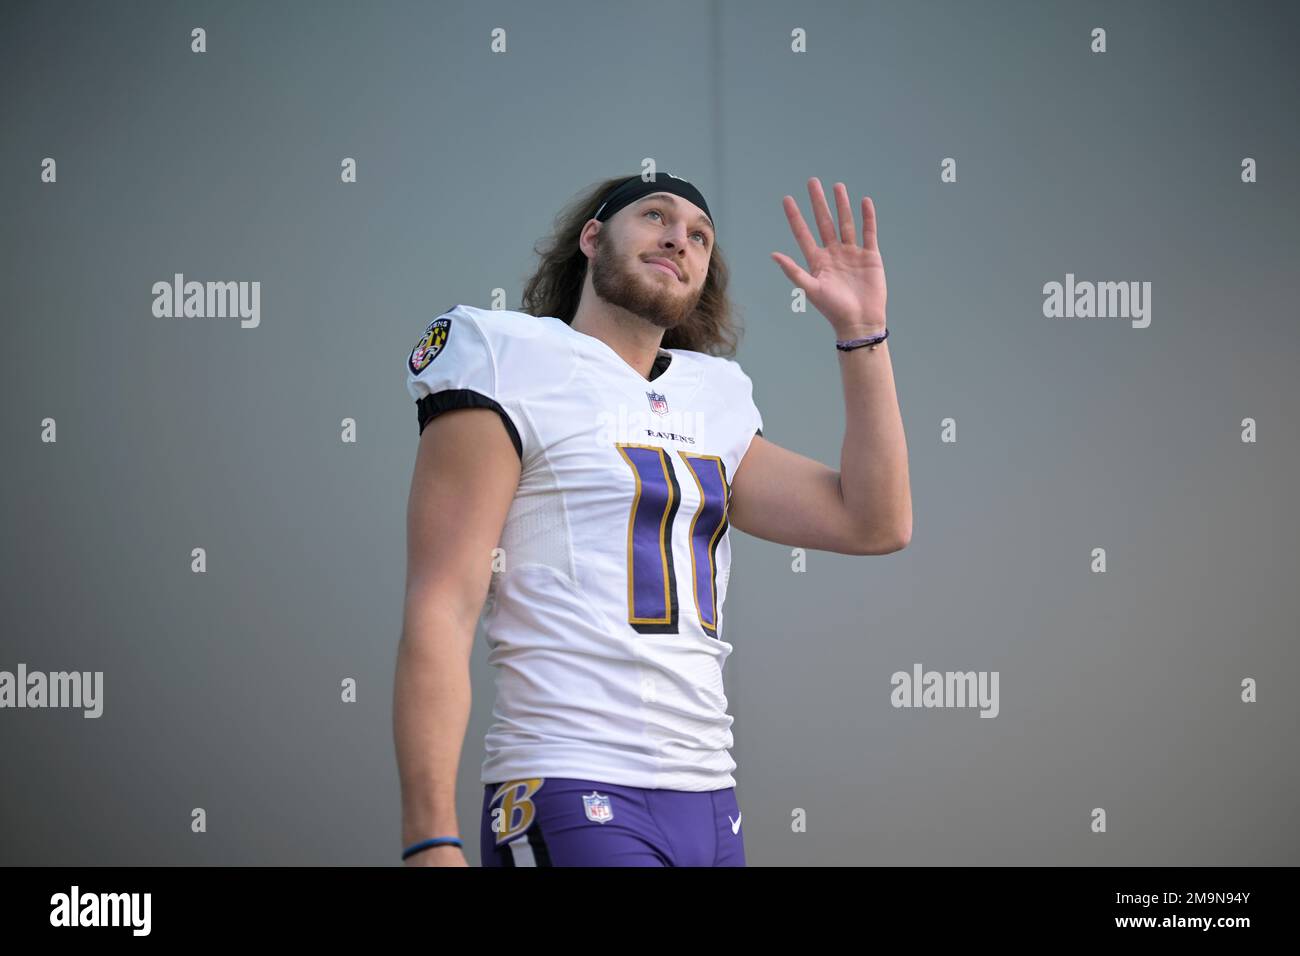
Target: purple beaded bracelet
[(848, 345)]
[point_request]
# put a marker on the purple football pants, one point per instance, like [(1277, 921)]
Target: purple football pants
[(563, 821)]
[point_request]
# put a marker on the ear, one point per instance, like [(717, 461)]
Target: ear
[(586, 238)]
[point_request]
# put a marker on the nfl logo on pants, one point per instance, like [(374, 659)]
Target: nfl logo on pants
[(597, 807)]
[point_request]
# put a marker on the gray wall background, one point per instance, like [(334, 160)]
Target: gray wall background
[(1118, 690)]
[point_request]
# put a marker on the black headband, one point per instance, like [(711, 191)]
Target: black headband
[(630, 190)]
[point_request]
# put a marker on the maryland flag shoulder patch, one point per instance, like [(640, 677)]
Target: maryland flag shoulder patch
[(431, 343)]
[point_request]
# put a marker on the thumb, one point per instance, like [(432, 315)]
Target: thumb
[(795, 274)]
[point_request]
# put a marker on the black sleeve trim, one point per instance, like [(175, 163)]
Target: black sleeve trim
[(431, 406)]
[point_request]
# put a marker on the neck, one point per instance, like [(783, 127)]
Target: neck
[(634, 339)]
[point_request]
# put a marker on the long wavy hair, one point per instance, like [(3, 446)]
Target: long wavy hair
[(556, 286)]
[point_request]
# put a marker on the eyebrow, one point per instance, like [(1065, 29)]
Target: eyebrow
[(700, 220)]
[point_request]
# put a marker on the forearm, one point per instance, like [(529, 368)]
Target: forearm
[(431, 704), (874, 482)]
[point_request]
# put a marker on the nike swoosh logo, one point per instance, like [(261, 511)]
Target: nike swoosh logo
[(735, 824)]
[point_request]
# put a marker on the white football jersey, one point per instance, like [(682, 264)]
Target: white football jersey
[(604, 619)]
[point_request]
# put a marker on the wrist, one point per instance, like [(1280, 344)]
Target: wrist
[(866, 331), (869, 331), (439, 825)]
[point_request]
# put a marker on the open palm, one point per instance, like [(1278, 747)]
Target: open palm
[(844, 280)]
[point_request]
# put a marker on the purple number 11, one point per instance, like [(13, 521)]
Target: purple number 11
[(651, 580)]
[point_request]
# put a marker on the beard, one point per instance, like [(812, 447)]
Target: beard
[(627, 281)]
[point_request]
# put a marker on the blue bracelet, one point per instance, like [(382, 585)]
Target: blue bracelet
[(425, 844)]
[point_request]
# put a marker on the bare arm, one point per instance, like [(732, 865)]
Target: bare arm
[(866, 506), (466, 474)]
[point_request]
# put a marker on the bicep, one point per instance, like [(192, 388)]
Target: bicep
[(782, 496), (466, 474)]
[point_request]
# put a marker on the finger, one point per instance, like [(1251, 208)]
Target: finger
[(802, 235), (821, 212), (796, 275), (848, 228), (869, 240)]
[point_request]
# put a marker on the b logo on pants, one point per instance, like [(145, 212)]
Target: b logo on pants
[(516, 811)]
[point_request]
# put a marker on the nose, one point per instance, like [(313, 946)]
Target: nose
[(676, 236)]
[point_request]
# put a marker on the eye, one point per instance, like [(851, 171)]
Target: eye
[(704, 236)]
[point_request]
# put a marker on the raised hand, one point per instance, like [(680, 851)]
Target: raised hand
[(845, 280)]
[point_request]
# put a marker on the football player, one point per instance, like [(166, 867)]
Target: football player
[(581, 463)]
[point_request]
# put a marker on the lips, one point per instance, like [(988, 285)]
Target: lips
[(666, 266)]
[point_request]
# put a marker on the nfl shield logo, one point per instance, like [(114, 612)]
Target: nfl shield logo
[(658, 404), (597, 807)]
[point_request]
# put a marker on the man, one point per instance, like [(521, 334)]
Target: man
[(580, 465)]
